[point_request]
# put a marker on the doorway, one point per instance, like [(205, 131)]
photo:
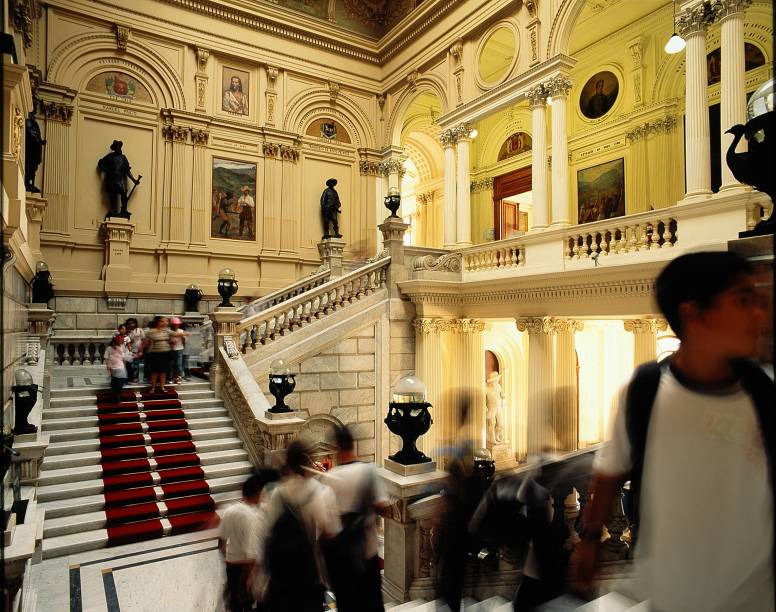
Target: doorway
[(512, 203)]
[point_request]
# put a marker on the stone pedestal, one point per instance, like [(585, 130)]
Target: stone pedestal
[(410, 470), (225, 319), (40, 318), (393, 229), (36, 207), (330, 250), (117, 233)]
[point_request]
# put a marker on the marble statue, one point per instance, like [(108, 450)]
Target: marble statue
[(495, 404)]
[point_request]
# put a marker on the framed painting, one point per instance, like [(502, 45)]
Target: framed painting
[(601, 191), (233, 203), (599, 94), (235, 91)]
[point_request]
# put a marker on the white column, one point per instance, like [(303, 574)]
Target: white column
[(559, 88), (463, 193), (537, 97), (541, 437), (566, 408), (428, 368), (692, 24), (448, 141), (644, 338), (732, 86)]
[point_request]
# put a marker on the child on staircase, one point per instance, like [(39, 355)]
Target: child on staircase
[(116, 361), (177, 344)]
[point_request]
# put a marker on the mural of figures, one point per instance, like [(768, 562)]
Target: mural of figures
[(495, 404), (601, 191), (233, 206), (517, 143), (235, 84), (599, 94), (753, 58)]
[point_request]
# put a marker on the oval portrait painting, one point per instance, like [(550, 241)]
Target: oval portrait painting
[(599, 94)]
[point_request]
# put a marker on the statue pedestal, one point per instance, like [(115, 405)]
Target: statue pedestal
[(117, 233), (331, 250), (410, 470), (502, 455), (36, 207)]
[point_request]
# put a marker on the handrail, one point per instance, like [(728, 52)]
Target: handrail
[(281, 319), (284, 293)]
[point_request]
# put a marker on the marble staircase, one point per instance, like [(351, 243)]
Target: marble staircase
[(610, 602), (71, 487)]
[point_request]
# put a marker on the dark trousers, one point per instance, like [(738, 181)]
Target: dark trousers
[(358, 593), (116, 386), (236, 593), (298, 598)]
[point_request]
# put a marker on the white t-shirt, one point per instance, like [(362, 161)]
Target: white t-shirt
[(240, 527), (706, 515), (349, 482)]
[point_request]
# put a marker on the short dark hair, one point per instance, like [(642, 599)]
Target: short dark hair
[(297, 457), (699, 278), (343, 439), (266, 476), (131, 320), (252, 486)]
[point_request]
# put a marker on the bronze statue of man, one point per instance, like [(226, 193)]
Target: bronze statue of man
[(33, 152), (330, 206), (116, 168)]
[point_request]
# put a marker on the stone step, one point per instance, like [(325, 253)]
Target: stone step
[(92, 484), (90, 433), (88, 521), (81, 542), (411, 605), (59, 392), (67, 412), (93, 444), (488, 605), (91, 458), (88, 398), (92, 503), (92, 472), (190, 414)]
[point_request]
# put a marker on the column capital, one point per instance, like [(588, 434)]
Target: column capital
[(392, 165), (56, 111), (548, 325), (645, 326), (696, 19), (559, 85), (537, 95), (732, 8), (462, 132), (429, 325), (482, 184), (466, 326), (199, 137), (175, 133), (448, 138)]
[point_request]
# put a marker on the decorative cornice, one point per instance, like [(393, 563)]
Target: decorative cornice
[(123, 32), (449, 262), (56, 111), (537, 95), (645, 326), (175, 133), (482, 184), (663, 125), (697, 18), (199, 137), (557, 86)]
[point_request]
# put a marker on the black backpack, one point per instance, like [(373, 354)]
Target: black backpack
[(289, 552), (640, 398)]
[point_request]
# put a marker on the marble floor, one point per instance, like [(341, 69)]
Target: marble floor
[(175, 574)]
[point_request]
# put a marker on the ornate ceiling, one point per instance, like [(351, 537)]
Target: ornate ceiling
[(370, 17)]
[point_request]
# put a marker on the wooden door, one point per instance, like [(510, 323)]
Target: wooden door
[(507, 216)]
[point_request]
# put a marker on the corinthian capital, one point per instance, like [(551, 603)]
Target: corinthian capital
[(448, 138), (729, 8), (430, 325), (559, 85), (466, 326), (537, 95), (644, 326), (548, 325), (697, 18)]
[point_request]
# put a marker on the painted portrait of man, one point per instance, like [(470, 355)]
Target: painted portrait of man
[(599, 95), (235, 93)]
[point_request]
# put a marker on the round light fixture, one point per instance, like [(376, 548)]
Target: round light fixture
[(675, 44)]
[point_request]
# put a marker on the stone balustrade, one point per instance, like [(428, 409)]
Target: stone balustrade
[(281, 319), (78, 350), (494, 256), (657, 230), (317, 278)]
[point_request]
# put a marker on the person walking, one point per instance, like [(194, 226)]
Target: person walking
[(116, 359), (696, 436), (177, 344), (136, 336), (158, 354), (352, 560)]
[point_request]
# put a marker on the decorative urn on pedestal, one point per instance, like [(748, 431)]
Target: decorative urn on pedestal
[(191, 298), (42, 287), (227, 287), (25, 393), (409, 418), (281, 384), (392, 201)]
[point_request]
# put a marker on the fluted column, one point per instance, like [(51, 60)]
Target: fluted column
[(732, 84), (639, 169), (177, 202), (289, 203), (463, 193), (56, 166), (428, 368), (200, 197), (537, 96), (692, 24), (448, 139), (645, 338), (566, 407), (541, 437), (273, 187), (465, 371), (559, 87)]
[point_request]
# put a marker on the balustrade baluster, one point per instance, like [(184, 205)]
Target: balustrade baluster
[(586, 245), (594, 244), (571, 509), (606, 236), (254, 335), (576, 247), (244, 341), (614, 548), (667, 234), (521, 256)]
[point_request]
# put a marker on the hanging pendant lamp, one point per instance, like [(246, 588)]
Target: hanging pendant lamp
[(676, 43)]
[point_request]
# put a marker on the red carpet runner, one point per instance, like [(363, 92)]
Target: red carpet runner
[(153, 481)]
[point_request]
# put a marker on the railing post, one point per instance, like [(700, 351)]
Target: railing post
[(393, 241), (225, 321), (330, 250)]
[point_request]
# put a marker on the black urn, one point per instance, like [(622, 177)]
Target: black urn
[(191, 299), (392, 201), (25, 394), (42, 287), (227, 287), (281, 384), (409, 418)]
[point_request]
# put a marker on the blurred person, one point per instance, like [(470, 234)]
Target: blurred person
[(158, 354), (352, 560), (696, 435), (135, 335), (177, 344), (301, 511), (238, 542), (116, 358)]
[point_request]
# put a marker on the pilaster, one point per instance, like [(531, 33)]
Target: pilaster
[(537, 97), (541, 435), (566, 407), (330, 250), (645, 338), (393, 230), (178, 203), (200, 198), (201, 79)]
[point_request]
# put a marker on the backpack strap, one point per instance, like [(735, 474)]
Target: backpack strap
[(640, 398), (762, 390)]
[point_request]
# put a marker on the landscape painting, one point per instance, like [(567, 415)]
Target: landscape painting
[(601, 191), (233, 204)]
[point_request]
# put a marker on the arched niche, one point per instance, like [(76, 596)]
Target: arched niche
[(308, 107), (425, 84)]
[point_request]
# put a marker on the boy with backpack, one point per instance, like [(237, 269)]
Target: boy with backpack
[(696, 436), (300, 513), (352, 561)]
